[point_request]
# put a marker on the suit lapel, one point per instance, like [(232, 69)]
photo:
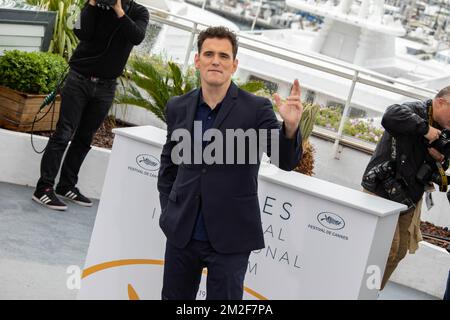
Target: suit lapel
[(191, 108), (227, 105)]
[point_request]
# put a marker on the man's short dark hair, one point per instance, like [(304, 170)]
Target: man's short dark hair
[(218, 32), (444, 93)]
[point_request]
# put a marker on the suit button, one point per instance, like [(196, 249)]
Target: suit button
[(203, 170)]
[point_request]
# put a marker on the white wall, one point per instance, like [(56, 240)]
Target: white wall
[(21, 37), (19, 164), (136, 115)]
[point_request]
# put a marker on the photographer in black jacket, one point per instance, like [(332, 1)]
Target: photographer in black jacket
[(402, 150), (107, 37)]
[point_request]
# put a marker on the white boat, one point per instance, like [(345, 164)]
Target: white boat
[(172, 42), (17, 4), (360, 36)]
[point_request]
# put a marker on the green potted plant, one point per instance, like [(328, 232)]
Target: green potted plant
[(310, 112), (306, 165), (27, 77)]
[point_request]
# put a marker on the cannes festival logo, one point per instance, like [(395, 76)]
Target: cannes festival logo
[(331, 220), (147, 162)]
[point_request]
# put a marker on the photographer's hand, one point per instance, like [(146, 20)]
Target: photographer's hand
[(118, 9), (439, 157), (433, 134)]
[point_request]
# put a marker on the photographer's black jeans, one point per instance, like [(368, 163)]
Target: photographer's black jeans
[(84, 106)]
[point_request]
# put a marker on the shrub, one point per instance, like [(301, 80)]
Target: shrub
[(362, 129), (31, 72), (152, 82)]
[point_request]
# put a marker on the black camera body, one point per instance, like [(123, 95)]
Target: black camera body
[(385, 173), (106, 3), (443, 143), (429, 171)]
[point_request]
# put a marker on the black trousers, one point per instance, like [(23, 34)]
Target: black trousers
[(183, 270), (84, 107)]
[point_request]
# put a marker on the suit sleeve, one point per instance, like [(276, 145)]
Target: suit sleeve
[(400, 119), (289, 150), (168, 170), (87, 23)]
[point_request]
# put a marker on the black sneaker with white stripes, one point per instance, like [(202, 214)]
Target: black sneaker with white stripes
[(48, 198), (75, 195)]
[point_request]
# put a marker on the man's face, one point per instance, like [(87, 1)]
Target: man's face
[(441, 113), (215, 62)]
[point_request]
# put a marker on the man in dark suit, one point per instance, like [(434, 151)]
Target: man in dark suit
[(209, 211)]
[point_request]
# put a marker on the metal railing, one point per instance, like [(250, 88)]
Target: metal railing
[(328, 65)]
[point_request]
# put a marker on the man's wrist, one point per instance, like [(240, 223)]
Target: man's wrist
[(120, 13), (290, 130)]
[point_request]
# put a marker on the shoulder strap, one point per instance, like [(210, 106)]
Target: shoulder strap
[(393, 148)]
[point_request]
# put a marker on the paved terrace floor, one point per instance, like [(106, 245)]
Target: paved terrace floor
[(37, 245)]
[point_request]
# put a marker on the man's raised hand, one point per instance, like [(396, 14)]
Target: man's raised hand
[(290, 109)]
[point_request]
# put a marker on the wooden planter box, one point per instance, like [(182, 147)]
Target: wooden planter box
[(20, 108)]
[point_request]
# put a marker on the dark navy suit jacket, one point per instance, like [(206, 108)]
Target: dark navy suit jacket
[(227, 193)]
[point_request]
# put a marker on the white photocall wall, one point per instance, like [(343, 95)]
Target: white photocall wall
[(323, 241)]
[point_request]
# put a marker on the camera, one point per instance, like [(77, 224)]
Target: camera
[(106, 4), (429, 171), (428, 174), (384, 173), (443, 143)]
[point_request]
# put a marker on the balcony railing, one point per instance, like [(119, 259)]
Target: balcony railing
[(317, 62)]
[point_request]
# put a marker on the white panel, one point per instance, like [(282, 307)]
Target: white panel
[(319, 248), (22, 30), (20, 41)]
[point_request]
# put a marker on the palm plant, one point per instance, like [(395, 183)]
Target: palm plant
[(152, 82), (64, 40), (160, 81)]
